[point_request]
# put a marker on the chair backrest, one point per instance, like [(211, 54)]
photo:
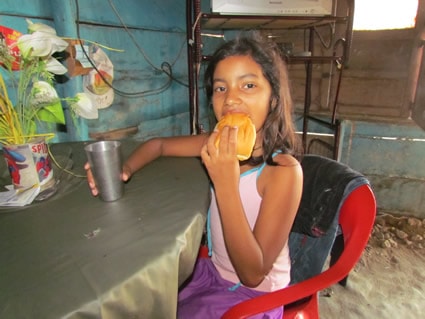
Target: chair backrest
[(327, 184)]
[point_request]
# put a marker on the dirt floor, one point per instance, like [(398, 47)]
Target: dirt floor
[(389, 280)]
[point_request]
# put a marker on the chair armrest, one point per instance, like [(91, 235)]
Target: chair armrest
[(287, 295)]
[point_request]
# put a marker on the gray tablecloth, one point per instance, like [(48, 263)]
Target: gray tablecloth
[(75, 256)]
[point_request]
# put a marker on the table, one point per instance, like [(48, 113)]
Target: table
[(75, 256)]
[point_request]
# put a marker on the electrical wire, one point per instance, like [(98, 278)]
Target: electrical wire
[(165, 66), (321, 39), (169, 73), (135, 42), (331, 39)]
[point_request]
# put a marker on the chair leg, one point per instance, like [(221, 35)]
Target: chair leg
[(336, 251)]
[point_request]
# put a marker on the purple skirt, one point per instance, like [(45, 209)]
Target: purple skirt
[(207, 295)]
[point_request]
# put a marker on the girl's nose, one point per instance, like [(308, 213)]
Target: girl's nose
[(232, 97)]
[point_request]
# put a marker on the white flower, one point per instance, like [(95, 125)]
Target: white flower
[(40, 44), (43, 94), (33, 27), (84, 107), (55, 67)]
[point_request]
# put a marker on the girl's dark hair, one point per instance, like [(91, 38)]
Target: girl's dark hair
[(278, 129)]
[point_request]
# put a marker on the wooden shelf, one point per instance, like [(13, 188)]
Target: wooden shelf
[(197, 20), (219, 21), (294, 59)]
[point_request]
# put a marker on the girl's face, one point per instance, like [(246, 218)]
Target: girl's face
[(239, 86)]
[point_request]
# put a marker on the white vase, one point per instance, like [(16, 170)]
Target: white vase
[(29, 164)]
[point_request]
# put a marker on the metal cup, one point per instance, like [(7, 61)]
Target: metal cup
[(106, 164)]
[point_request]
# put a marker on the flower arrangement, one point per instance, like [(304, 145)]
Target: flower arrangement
[(29, 62)]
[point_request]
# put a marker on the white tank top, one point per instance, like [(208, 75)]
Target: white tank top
[(279, 275)]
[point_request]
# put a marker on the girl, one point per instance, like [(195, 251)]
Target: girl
[(254, 202)]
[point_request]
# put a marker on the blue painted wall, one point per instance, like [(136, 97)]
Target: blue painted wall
[(156, 35), (152, 40)]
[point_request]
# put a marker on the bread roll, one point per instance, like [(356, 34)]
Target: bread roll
[(246, 133)]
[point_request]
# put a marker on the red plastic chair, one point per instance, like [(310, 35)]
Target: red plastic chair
[(357, 216)]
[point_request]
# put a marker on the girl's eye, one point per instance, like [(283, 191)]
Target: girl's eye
[(249, 85), (219, 89)]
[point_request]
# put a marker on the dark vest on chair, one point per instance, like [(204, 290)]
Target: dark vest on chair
[(326, 185)]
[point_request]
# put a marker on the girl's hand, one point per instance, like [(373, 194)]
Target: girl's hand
[(90, 180), (222, 163), (126, 173), (125, 176)]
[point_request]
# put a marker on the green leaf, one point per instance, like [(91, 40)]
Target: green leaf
[(52, 113), (32, 128)]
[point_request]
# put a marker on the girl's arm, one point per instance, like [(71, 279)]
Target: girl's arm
[(253, 252), (185, 146)]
